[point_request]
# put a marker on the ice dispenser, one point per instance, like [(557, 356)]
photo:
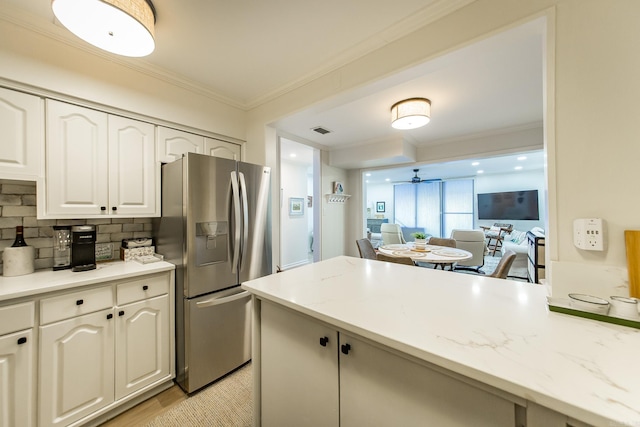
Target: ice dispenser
[(212, 240)]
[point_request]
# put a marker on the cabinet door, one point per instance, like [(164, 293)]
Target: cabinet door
[(378, 388), (17, 394), (76, 160), (299, 375), (172, 144), (134, 181), (142, 344), (76, 368), (218, 148), (21, 149)]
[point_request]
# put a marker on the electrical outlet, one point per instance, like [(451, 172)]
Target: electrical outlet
[(588, 234)]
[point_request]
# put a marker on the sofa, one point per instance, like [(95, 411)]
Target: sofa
[(516, 241)]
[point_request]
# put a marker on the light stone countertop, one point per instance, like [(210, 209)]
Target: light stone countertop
[(44, 281), (498, 332)]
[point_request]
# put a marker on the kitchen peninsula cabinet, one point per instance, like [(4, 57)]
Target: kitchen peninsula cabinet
[(22, 144), (314, 375), (419, 344), (98, 165), (17, 388)]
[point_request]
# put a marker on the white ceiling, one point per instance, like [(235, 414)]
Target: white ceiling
[(247, 53)]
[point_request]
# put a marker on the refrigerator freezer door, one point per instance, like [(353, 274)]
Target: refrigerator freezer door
[(255, 258), (219, 338), (209, 227)]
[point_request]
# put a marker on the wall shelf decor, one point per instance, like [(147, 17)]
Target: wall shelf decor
[(337, 198)]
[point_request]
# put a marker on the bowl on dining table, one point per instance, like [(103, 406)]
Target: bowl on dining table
[(589, 303)]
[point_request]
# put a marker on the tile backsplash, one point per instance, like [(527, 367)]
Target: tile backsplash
[(18, 207)]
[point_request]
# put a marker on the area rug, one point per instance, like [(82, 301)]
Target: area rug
[(226, 403)]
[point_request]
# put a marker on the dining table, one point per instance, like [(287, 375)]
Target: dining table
[(430, 253)]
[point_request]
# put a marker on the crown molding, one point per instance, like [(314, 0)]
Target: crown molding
[(430, 13)]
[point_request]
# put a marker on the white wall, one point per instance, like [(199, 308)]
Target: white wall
[(591, 127), (380, 193), (334, 215), (36, 61), (294, 250), (524, 180)]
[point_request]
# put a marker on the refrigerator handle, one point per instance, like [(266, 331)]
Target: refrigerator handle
[(235, 193), (245, 217), (217, 301)]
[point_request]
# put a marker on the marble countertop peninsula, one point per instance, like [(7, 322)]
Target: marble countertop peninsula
[(44, 281), (498, 332)]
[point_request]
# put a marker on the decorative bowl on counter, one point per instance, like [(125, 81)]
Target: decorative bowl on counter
[(589, 303), (624, 307)]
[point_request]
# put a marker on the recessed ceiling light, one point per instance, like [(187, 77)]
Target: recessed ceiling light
[(367, 181), (475, 163), (367, 174), (387, 179), (522, 158), (480, 171), (292, 155), (518, 168)]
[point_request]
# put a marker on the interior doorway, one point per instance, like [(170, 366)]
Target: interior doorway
[(299, 204)]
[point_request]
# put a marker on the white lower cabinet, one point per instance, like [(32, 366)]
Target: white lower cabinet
[(17, 388), (76, 368), (142, 344), (101, 346), (311, 375)]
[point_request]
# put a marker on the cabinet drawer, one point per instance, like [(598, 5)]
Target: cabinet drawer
[(146, 287), (75, 304), (16, 317)]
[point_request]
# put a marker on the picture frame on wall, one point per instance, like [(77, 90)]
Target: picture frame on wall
[(380, 206), (296, 206), (338, 188)]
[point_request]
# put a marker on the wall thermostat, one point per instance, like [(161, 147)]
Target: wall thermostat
[(588, 234)]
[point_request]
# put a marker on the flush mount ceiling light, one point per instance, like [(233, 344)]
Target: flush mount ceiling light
[(123, 27), (411, 113)]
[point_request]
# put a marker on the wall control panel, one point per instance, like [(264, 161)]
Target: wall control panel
[(588, 234)]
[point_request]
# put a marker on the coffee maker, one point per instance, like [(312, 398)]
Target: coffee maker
[(61, 247), (83, 247)]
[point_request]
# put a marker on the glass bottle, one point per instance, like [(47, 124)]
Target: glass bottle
[(19, 237)]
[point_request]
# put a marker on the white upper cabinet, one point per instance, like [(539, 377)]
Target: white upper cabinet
[(98, 165), (22, 137), (134, 188), (76, 161), (172, 144), (218, 148)]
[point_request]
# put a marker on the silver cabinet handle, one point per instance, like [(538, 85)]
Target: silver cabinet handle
[(245, 217), (236, 210)]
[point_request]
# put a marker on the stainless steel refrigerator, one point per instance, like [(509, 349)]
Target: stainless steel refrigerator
[(215, 227)]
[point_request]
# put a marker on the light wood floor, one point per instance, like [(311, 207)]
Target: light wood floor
[(149, 409)]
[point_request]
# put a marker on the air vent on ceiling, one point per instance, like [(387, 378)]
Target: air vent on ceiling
[(321, 130)]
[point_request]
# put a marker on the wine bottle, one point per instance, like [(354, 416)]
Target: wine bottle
[(19, 237)]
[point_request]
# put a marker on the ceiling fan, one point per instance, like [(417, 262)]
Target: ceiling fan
[(417, 180)]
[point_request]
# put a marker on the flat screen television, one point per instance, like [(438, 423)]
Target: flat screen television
[(511, 205)]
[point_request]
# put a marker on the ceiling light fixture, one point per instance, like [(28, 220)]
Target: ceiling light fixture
[(411, 113), (123, 27)]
